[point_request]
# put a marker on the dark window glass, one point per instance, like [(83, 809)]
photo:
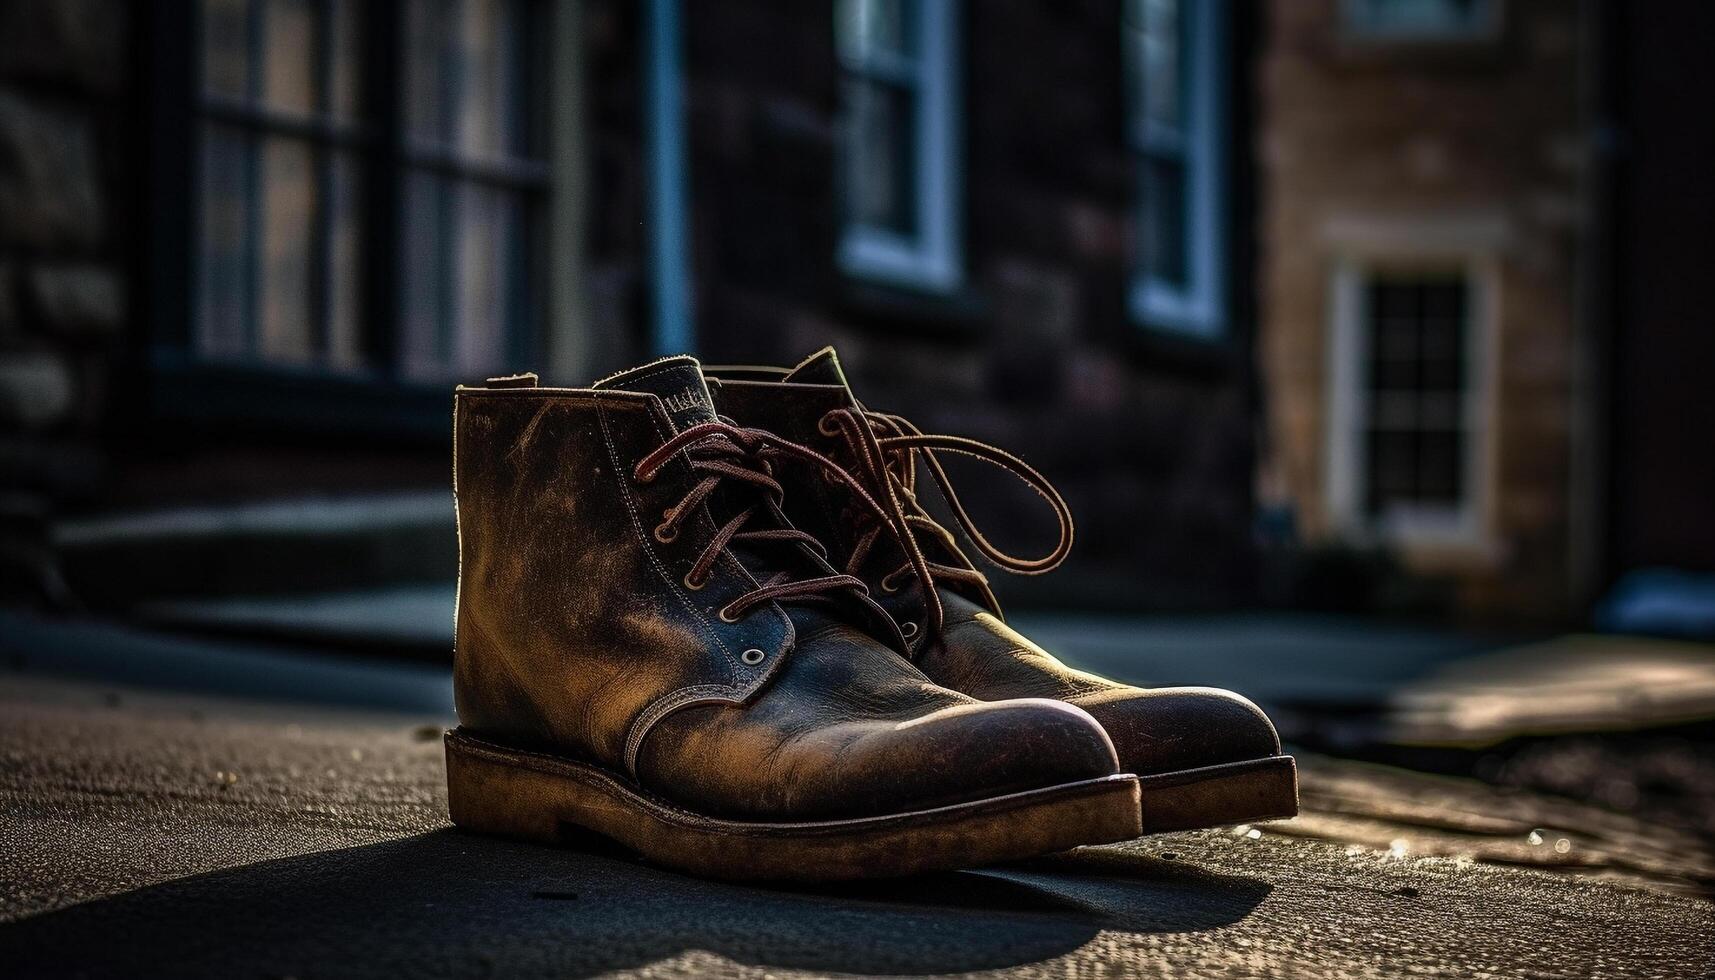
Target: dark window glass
[(880, 145), (1418, 18), (1163, 130), (878, 46), (1415, 382), (1162, 253)]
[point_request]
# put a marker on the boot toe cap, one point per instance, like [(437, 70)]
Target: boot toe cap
[(860, 767), (1156, 730), (1007, 746), (955, 755)]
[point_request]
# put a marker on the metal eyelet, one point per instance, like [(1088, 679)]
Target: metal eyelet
[(726, 616), (908, 630), (822, 426), (694, 586), (663, 535), (753, 656), (887, 585)]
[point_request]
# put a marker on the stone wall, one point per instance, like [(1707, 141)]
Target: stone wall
[(63, 235), (1485, 134)]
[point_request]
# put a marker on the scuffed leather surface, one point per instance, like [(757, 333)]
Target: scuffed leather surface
[(1153, 729), (573, 622), (576, 636), (848, 728)]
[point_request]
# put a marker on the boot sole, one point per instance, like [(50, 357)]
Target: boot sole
[(551, 800), (1212, 796)]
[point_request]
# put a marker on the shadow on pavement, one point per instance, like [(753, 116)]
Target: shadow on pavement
[(446, 903)]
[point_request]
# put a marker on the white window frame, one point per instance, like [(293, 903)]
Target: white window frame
[(932, 259), (1197, 307), (1436, 248), (1485, 26)]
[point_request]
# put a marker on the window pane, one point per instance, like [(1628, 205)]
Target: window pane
[(467, 285), (288, 213), (225, 41), (1162, 253), (1426, 18), (880, 170), (490, 277), (427, 283), (1393, 469), (467, 81), (345, 263), (1440, 473), (223, 314), (289, 55), (426, 104), (867, 28), (492, 66), (1157, 63), (1416, 392), (345, 60)]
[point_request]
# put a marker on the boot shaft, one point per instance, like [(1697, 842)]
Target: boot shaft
[(576, 627)]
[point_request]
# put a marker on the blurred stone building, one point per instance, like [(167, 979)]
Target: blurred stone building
[(1467, 359), (1336, 276)]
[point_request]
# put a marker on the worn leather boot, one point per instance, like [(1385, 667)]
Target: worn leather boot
[(1204, 756), (647, 650)]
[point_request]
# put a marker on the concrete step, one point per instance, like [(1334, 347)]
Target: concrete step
[(285, 547)]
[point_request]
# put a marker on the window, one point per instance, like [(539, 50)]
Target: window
[(1174, 60), (1420, 20), (900, 146), (370, 184), (1414, 389), (1408, 452)]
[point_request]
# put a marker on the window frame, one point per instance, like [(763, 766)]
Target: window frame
[(932, 259), (1465, 527), (379, 398), (1485, 27), (1199, 308)]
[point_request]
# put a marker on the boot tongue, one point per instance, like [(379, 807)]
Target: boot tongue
[(820, 368), (677, 381)]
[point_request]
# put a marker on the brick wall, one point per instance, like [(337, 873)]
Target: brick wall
[(1150, 441), (1150, 444), (1404, 136)]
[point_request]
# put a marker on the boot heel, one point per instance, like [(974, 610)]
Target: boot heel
[(490, 797)]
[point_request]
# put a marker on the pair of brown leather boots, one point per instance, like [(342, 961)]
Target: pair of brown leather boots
[(702, 613)]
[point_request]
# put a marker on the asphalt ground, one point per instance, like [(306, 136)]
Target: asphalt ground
[(148, 832)]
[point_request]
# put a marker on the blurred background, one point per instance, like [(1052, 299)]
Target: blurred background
[(1361, 335)]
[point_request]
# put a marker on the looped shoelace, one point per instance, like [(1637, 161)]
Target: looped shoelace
[(719, 451), (887, 448)]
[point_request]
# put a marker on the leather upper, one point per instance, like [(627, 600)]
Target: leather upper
[(575, 629), (847, 729), (1154, 730), (577, 635)]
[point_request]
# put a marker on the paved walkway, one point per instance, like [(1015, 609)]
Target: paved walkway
[(220, 835)]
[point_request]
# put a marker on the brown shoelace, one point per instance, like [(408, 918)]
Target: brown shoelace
[(720, 451), (887, 449)]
